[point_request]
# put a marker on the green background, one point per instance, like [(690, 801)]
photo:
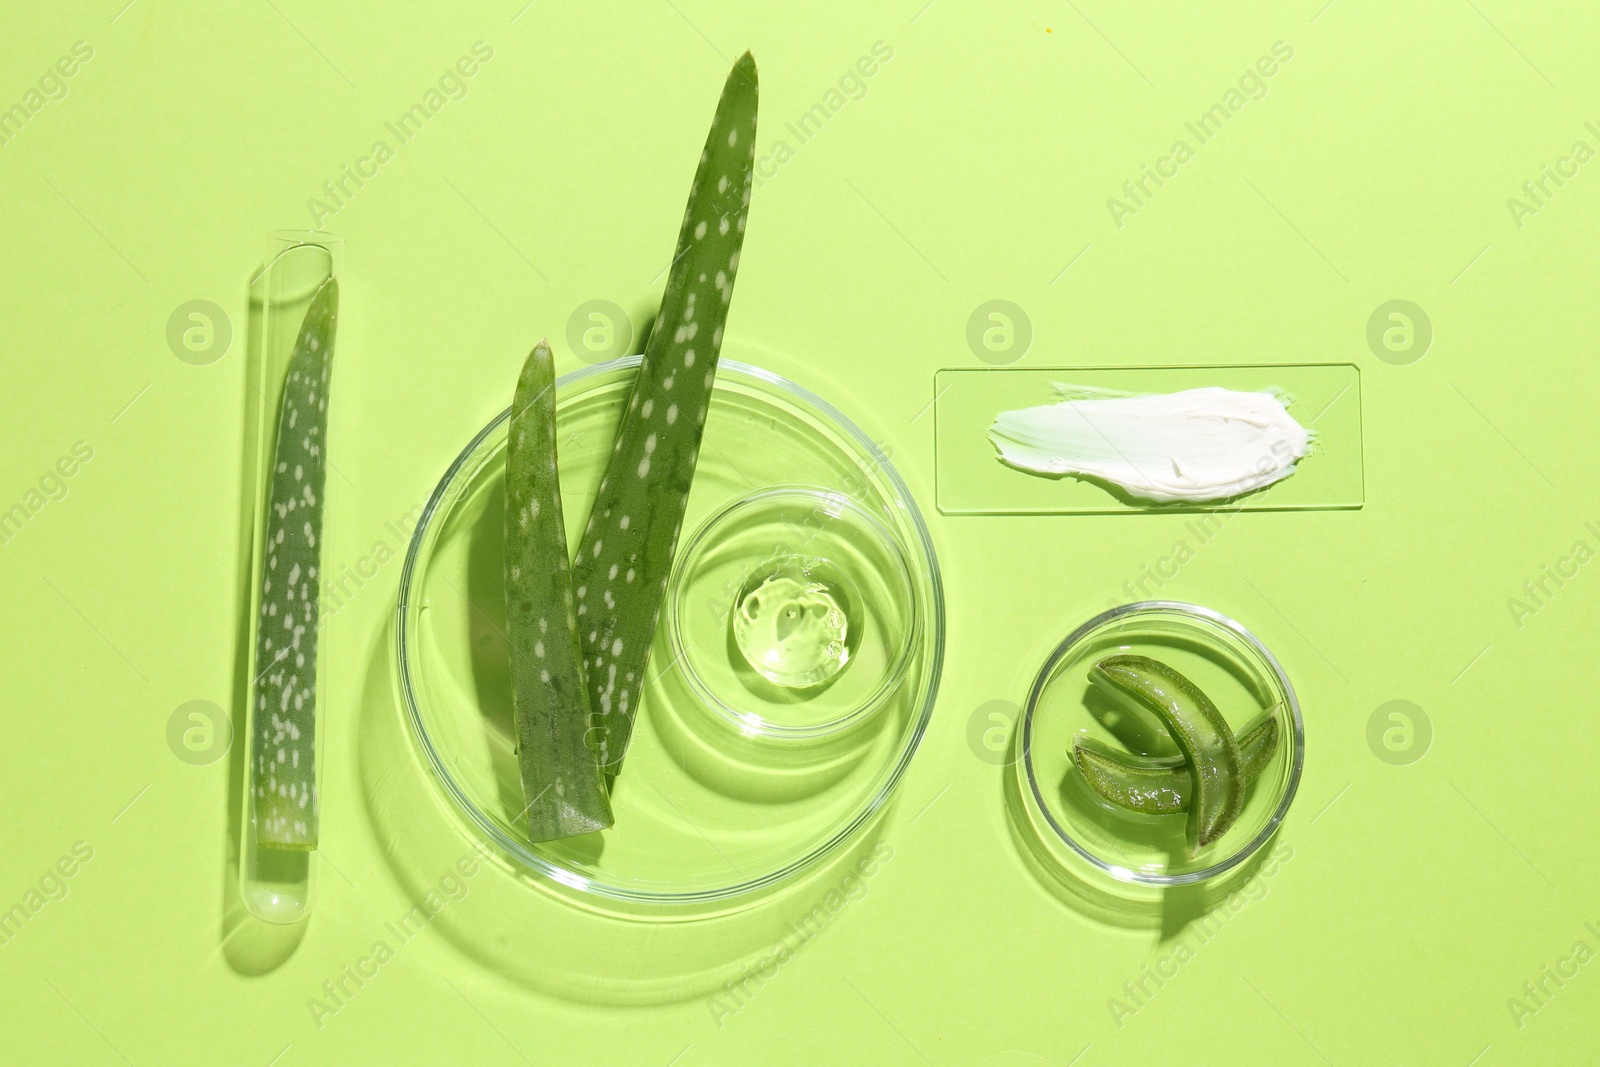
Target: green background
[(978, 164)]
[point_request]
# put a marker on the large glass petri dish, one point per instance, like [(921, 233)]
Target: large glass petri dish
[(708, 807)]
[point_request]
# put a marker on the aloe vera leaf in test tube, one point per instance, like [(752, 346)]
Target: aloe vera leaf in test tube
[(283, 774)]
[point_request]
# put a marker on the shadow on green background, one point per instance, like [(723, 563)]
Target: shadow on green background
[(1097, 897), (531, 932)]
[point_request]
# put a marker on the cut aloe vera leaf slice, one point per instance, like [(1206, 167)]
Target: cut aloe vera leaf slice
[(625, 556), (283, 774), (1160, 785), (1198, 728), (561, 779)]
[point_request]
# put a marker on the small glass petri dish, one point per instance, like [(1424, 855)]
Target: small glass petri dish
[(793, 612), (1230, 665), (708, 811)]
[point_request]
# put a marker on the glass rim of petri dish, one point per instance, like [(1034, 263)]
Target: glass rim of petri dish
[(837, 505)]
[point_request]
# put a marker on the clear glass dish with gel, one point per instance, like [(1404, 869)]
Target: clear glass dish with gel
[(794, 612)]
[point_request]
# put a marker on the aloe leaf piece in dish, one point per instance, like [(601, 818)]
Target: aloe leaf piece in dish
[(625, 555), (1161, 785), (560, 771), (1198, 728)]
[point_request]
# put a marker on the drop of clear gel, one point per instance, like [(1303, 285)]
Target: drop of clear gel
[(791, 624)]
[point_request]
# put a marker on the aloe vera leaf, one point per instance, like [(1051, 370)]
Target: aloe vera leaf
[(1160, 785), (561, 778), (283, 777), (624, 558), (1199, 729)]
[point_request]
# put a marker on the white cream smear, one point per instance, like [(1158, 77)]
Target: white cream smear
[(1195, 445)]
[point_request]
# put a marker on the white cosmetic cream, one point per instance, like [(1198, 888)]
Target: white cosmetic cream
[(1193, 446)]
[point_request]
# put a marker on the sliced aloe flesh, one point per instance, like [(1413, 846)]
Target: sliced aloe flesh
[(1201, 733), (624, 558), (1160, 785), (561, 779), (283, 776)]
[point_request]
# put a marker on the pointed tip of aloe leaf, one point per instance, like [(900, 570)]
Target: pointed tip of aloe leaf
[(745, 67), (1105, 673), (325, 299), (1213, 833), (1271, 731)]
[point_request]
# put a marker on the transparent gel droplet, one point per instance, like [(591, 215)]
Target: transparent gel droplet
[(791, 624)]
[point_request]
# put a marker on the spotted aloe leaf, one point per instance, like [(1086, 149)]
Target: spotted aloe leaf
[(283, 775), (625, 555), (561, 778)]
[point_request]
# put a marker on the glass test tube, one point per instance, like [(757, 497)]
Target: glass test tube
[(287, 396)]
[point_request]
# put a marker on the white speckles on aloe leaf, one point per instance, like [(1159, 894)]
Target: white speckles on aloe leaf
[(283, 776), (634, 525), (561, 779)]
